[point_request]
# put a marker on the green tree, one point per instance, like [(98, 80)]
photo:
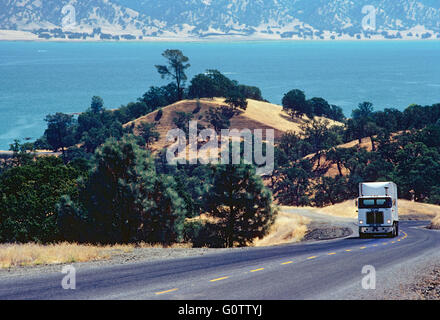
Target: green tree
[(329, 191), (94, 127), (339, 156), (219, 118), (417, 171), (97, 104), (371, 130), (202, 86), (250, 92), (158, 97), (320, 107), (294, 102), (360, 117), (60, 132), (124, 200), (148, 132), (240, 204), (28, 196), (175, 70), (132, 111), (22, 153), (293, 185), (320, 137)]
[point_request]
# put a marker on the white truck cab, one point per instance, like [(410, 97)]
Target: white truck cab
[(377, 209)]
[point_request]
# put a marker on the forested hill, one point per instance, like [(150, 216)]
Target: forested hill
[(264, 19)]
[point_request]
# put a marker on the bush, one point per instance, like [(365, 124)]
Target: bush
[(202, 234)]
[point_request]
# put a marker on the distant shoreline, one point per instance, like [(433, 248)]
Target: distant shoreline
[(27, 36)]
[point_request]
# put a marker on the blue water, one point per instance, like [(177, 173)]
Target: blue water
[(38, 78)]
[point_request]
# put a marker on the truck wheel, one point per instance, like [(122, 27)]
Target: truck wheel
[(394, 232)]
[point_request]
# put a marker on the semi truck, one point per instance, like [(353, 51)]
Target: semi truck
[(377, 209)]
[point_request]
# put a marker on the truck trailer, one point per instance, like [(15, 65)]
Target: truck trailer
[(377, 209)]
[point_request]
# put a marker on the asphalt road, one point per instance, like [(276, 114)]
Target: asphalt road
[(319, 270)]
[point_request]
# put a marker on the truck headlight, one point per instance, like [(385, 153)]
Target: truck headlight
[(389, 221), (361, 222)]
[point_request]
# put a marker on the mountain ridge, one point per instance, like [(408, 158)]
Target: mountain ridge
[(208, 19)]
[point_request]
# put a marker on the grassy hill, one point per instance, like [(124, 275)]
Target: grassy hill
[(258, 115), (408, 210)]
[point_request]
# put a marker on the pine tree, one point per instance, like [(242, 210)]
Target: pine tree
[(240, 204)]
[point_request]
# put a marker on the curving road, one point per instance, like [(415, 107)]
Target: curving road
[(319, 270)]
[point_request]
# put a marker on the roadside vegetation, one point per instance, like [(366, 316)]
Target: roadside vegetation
[(111, 186), (435, 223), (32, 254)]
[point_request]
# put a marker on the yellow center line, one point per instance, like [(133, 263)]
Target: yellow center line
[(348, 250), (362, 248), (385, 243), (374, 245), (332, 253), (218, 279), (168, 291), (310, 258), (257, 270), (288, 262), (393, 241)]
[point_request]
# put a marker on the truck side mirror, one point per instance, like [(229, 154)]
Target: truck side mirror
[(356, 203)]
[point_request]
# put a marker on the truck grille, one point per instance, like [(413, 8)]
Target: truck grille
[(374, 217)]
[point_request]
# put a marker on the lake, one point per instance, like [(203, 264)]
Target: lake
[(40, 78)]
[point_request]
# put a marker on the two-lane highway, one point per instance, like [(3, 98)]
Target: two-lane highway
[(328, 269)]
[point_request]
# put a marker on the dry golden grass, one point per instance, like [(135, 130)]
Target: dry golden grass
[(286, 229), (435, 223), (258, 115), (407, 209), (346, 209), (31, 254)]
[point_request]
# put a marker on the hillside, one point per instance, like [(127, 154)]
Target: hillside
[(408, 210), (207, 19), (258, 115), (332, 169)]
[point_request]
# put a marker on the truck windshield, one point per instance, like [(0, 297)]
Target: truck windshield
[(375, 203)]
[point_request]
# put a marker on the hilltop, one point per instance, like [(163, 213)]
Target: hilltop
[(258, 115)]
